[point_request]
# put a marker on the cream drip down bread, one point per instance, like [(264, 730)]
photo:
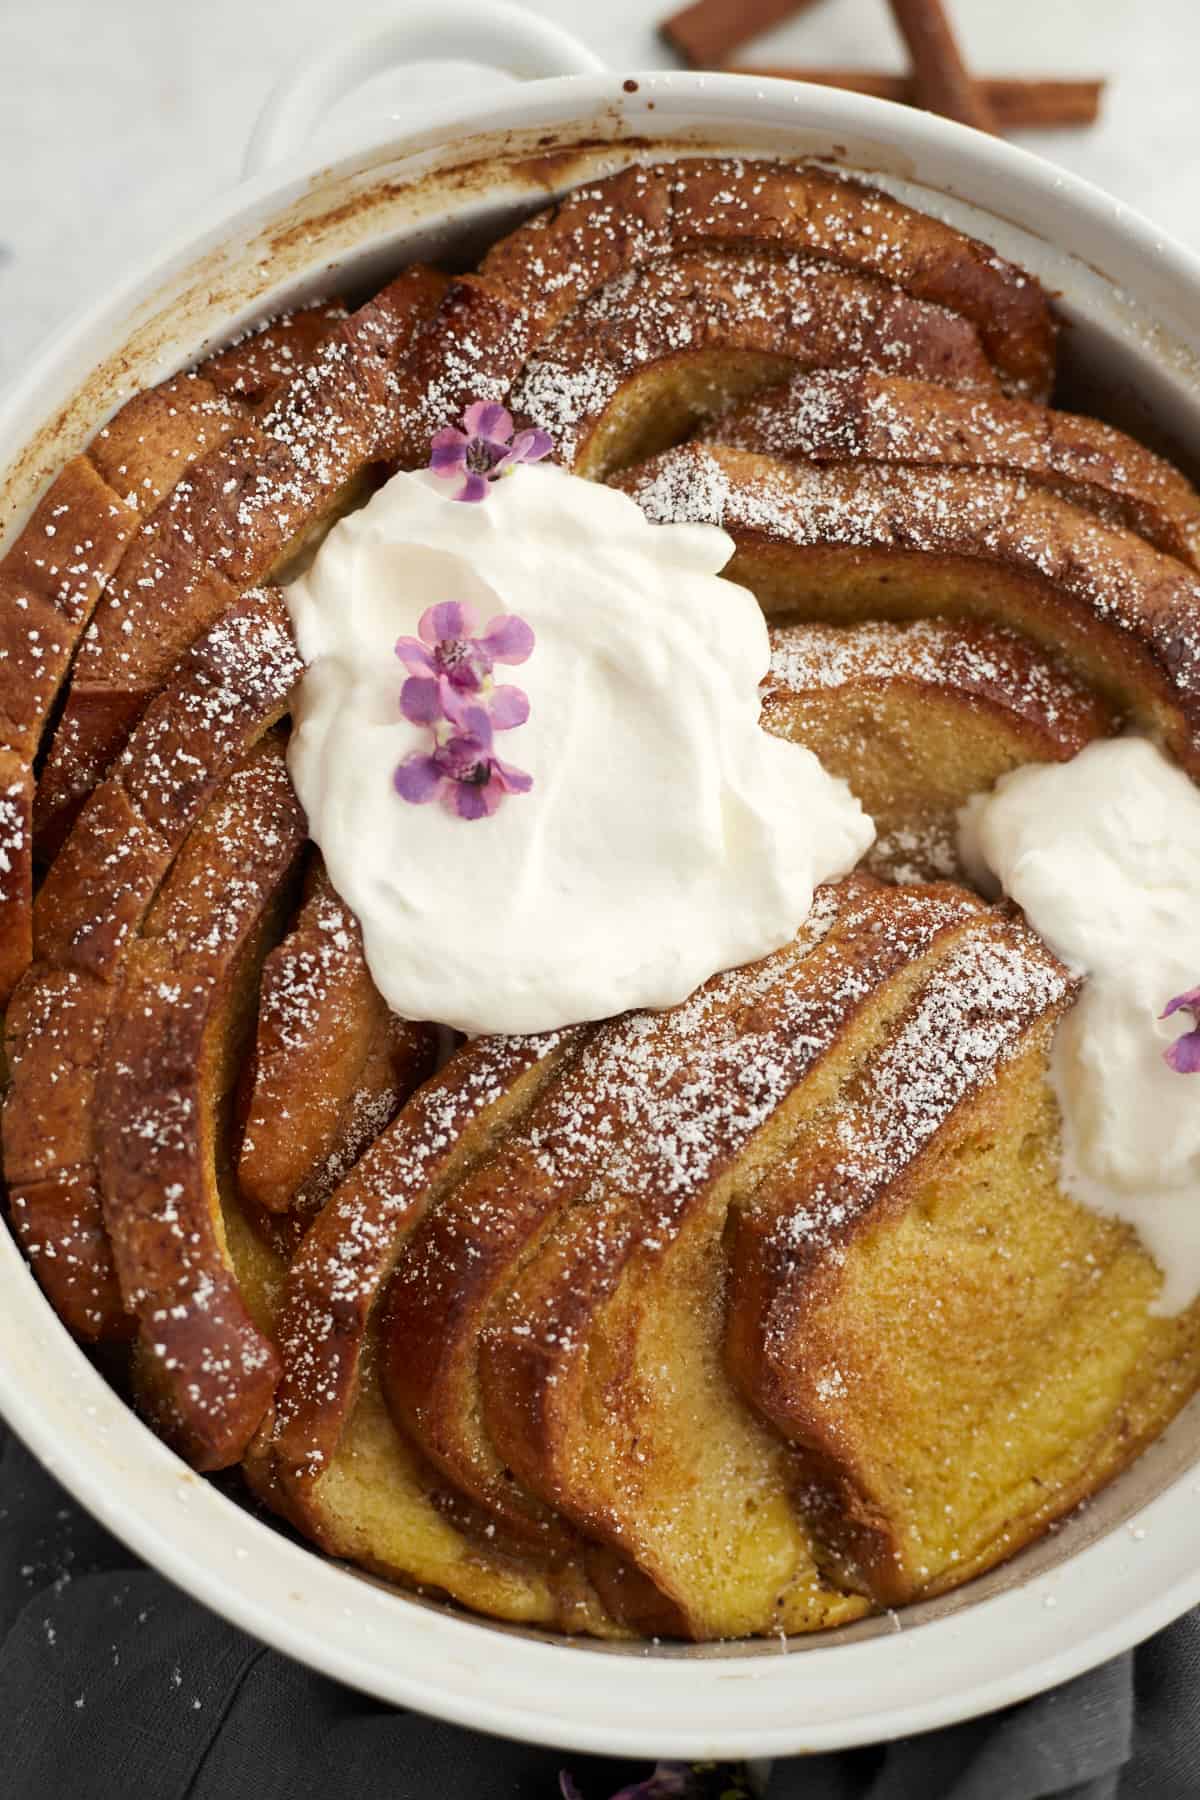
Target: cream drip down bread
[(592, 853)]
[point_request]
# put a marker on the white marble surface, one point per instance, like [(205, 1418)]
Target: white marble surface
[(118, 119)]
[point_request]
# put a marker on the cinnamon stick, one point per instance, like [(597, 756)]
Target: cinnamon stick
[(942, 80), (1017, 102), (708, 32)]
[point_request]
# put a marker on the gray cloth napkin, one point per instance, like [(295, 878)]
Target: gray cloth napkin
[(115, 1686)]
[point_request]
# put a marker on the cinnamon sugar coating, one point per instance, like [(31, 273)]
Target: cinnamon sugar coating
[(861, 415), (853, 541), (53, 575), (175, 1042), (330, 1067), (225, 694)]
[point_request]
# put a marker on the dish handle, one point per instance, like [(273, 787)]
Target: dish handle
[(491, 32)]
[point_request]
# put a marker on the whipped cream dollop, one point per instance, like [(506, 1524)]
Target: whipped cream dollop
[(666, 835), (1103, 855)]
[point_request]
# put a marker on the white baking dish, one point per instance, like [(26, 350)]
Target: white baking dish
[(1127, 1564)]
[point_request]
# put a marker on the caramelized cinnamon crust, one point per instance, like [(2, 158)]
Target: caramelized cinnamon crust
[(246, 509), (331, 1065), (919, 717), (644, 360), (226, 693), (590, 237), (52, 577), (841, 543), (258, 362), (860, 415), (171, 1057)]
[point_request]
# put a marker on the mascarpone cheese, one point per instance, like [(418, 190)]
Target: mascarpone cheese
[(1103, 855), (666, 836)]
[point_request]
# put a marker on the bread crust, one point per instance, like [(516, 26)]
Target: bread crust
[(246, 508), (588, 238), (171, 1055), (601, 1364), (54, 574), (852, 541), (331, 1065), (226, 693), (863, 415), (638, 365)]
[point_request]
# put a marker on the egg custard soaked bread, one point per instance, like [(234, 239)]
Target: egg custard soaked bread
[(735, 1317)]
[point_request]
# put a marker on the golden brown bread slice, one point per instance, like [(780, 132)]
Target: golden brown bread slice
[(843, 543), (331, 1065), (260, 360), (590, 237), (615, 233), (918, 717), (162, 1110), (55, 571), (350, 1251), (958, 1353), (245, 510), (227, 692), (332, 1459), (862, 415), (603, 1378), (645, 359)]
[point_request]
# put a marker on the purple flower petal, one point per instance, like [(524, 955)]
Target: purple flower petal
[(478, 731), (1184, 1054), (449, 619), (509, 707), (513, 780), (508, 639), (526, 447), (468, 800), (415, 656), (417, 779), (421, 700), (448, 453), (488, 420), (473, 489), (455, 702)]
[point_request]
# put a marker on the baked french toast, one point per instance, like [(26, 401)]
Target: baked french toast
[(650, 356), (863, 415), (248, 507), (163, 1090), (919, 717), (331, 1064), (739, 1316), (854, 541), (73, 547), (226, 693), (603, 1380), (1023, 1361)]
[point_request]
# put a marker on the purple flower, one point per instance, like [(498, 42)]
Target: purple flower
[(463, 772), (670, 1781), (1184, 1054), (484, 449), (449, 666)]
